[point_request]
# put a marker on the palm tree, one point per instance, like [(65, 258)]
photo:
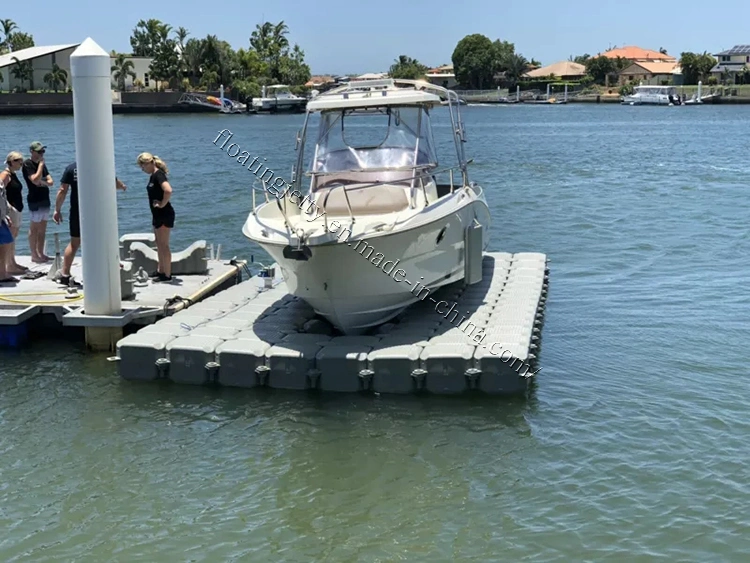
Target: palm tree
[(192, 57), (23, 71), (270, 42), (9, 26), (181, 33), (516, 67), (122, 69), (56, 77)]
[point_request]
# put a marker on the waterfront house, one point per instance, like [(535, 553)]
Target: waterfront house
[(732, 64), (639, 54), (442, 76), (41, 60), (563, 70), (661, 73), (141, 68)]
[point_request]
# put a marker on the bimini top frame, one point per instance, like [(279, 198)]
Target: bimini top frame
[(363, 94)]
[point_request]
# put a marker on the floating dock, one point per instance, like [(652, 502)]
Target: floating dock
[(45, 304), (484, 337)]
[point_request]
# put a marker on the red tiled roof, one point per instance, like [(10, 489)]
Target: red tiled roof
[(637, 53)]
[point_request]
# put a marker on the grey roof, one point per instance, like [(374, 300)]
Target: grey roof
[(736, 50)]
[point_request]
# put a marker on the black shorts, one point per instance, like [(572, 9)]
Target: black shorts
[(75, 225), (163, 218)]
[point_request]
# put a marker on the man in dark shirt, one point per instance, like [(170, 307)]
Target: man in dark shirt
[(38, 181), (69, 180)]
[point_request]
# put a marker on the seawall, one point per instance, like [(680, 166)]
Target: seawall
[(61, 103)]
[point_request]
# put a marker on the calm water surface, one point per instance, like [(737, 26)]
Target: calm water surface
[(634, 447)]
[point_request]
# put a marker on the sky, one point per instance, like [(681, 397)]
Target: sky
[(346, 37)]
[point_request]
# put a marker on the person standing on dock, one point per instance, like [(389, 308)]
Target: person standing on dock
[(162, 212), (38, 181), (69, 181), (14, 195), (6, 238)]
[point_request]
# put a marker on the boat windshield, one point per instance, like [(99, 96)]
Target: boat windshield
[(368, 139)]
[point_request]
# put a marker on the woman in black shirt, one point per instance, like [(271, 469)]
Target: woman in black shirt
[(13, 188), (162, 212)]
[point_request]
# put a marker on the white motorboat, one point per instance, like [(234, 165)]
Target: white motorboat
[(279, 98), (653, 96), (380, 225)]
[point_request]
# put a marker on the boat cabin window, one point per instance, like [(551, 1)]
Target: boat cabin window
[(373, 139)]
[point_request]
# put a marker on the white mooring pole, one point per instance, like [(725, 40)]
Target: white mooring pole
[(95, 157)]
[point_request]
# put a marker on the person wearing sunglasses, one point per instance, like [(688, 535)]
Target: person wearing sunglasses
[(13, 193), (38, 181)]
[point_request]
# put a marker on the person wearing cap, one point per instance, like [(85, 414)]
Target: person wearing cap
[(38, 181), (69, 181)]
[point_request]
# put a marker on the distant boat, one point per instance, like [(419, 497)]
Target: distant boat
[(222, 104), (278, 98), (652, 96)]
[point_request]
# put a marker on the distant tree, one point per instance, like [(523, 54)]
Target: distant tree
[(600, 68), (180, 35), (695, 66), (292, 67), (250, 65), (407, 68), (56, 77), (503, 52), (8, 27), (148, 36), (474, 61), (515, 67), (246, 90), (121, 69), (19, 40), (23, 71), (191, 59), (580, 59), (165, 65), (271, 43)]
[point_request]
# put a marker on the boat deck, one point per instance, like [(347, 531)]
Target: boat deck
[(257, 335)]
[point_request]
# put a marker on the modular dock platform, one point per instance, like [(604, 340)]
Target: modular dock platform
[(480, 338), (44, 304)]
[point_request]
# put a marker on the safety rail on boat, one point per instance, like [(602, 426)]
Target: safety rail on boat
[(283, 206)]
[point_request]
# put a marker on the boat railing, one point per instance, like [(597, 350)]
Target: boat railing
[(348, 204)]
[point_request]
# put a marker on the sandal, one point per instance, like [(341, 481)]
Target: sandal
[(9, 280)]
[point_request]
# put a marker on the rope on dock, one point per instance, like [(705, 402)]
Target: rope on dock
[(9, 297)]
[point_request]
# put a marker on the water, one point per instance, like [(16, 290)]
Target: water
[(633, 447)]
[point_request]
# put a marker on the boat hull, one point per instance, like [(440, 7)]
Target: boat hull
[(272, 105), (359, 284)]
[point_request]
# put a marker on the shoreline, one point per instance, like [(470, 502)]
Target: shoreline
[(12, 110)]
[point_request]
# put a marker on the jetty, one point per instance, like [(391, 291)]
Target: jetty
[(39, 307), (256, 335)]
